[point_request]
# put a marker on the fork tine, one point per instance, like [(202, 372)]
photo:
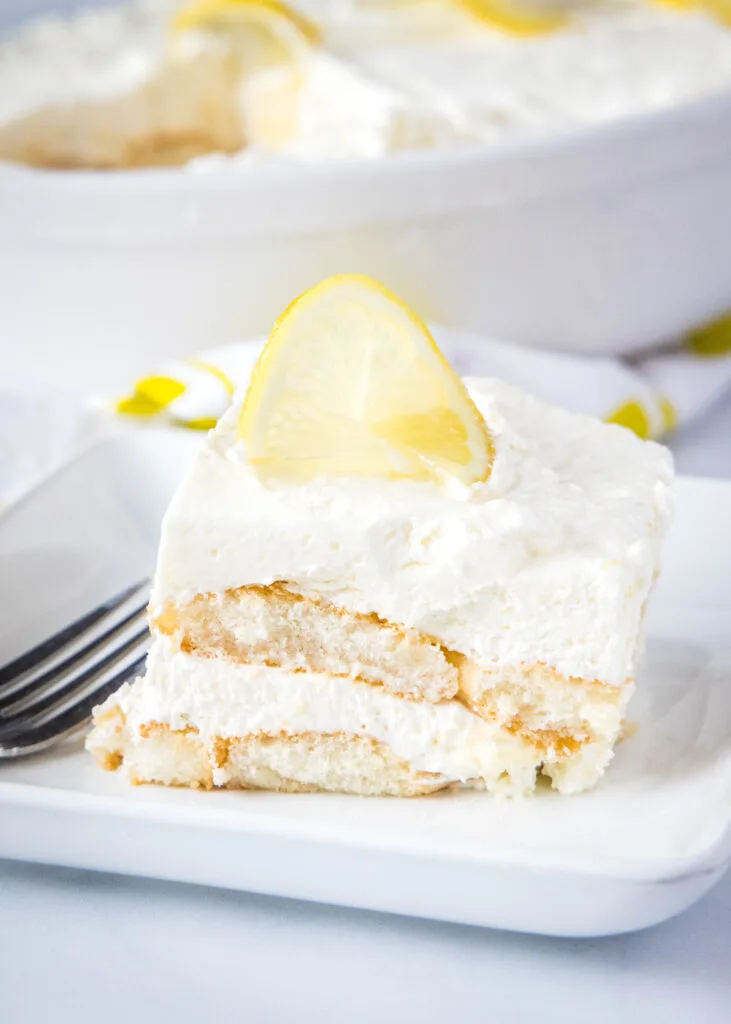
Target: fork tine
[(36, 745), (69, 721), (14, 692), (43, 651), (28, 716)]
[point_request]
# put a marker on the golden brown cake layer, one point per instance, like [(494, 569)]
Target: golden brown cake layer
[(271, 625), (198, 721), (300, 763)]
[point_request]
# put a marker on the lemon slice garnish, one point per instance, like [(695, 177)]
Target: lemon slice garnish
[(352, 383), (260, 31), (519, 18)]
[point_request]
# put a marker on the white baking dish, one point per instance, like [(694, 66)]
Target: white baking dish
[(606, 240)]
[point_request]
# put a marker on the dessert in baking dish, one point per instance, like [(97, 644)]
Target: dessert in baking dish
[(151, 82)]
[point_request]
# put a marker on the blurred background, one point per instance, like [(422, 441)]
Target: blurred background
[(587, 264), (13, 11)]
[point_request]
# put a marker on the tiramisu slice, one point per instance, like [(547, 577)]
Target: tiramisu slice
[(376, 578)]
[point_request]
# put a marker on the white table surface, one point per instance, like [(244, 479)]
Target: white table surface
[(85, 947)]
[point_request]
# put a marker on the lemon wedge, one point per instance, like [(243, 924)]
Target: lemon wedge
[(261, 32), (517, 18), (352, 383)]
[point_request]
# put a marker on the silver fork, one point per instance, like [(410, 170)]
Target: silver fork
[(49, 693)]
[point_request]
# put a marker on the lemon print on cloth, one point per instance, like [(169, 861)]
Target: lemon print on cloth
[(713, 339), (151, 396), (194, 395), (650, 418), (351, 382)]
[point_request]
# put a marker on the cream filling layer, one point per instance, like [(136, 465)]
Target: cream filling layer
[(551, 560), (397, 75), (221, 698)]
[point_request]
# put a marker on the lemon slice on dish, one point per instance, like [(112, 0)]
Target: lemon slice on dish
[(260, 32), (352, 383), (718, 9), (520, 18)]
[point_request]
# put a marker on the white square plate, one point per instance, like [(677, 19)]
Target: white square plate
[(648, 842)]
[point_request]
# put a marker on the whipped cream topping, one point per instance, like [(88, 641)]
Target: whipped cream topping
[(96, 55), (614, 59), (551, 560), (222, 698), (343, 112), (397, 76)]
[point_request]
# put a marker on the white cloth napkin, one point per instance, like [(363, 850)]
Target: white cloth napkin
[(37, 434), (651, 396)]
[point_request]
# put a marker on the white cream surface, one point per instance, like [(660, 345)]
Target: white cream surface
[(345, 112), (551, 560), (614, 59), (222, 698), (95, 55), (400, 75)]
